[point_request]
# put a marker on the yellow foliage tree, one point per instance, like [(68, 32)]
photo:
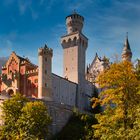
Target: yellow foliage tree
[(120, 100)]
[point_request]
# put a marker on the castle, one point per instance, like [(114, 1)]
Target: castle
[(61, 94), (100, 64)]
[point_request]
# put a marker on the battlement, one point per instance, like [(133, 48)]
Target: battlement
[(3, 67), (32, 71), (45, 51), (74, 23)]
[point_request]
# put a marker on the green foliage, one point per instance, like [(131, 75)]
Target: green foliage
[(97, 109), (120, 100), (11, 112), (138, 69), (24, 119), (34, 120), (78, 128)]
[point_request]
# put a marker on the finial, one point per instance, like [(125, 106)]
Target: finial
[(45, 47), (14, 52), (87, 69), (96, 54), (126, 34)]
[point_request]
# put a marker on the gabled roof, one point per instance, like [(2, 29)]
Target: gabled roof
[(105, 60), (20, 59), (95, 58)]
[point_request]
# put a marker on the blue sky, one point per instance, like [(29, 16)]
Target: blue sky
[(26, 25)]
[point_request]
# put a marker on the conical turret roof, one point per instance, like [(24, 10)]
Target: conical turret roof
[(126, 45), (126, 53)]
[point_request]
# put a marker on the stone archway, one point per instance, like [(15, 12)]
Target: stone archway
[(10, 92)]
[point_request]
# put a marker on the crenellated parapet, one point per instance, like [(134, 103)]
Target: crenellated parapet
[(75, 39), (45, 51), (32, 71), (4, 67), (23, 62), (74, 23)]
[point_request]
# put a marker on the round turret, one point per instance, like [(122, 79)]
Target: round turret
[(74, 23)]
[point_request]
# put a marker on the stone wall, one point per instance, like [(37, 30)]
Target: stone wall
[(64, 91), (60, 114)]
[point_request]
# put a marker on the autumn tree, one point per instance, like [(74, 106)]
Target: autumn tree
[(24, 119), (120, 101), (137, 68)]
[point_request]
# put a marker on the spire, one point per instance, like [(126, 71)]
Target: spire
[(96, 56), (126, 54), (45, 47), (126, 44), (87, 69)]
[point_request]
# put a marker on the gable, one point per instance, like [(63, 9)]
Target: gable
[(12, 63)]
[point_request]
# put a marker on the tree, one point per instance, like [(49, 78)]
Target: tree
[(34, 120), (24, 119), (11, 110), (138, 69), (120, 101), (97, 109), (77, 128)]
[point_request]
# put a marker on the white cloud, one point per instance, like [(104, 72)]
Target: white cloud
[(5, 47), (25, 6), (78, 5), (34, 14), (9, 44)]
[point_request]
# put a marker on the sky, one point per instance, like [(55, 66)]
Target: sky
[(27, 25)]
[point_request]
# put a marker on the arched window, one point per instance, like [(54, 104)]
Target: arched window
[(74, 41)]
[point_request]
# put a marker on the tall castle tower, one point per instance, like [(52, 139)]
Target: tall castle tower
[(45, 73), (126, 54), (74, 45)]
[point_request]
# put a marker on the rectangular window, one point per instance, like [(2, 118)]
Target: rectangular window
[(46, 85), (36, 80), (45, 71)]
